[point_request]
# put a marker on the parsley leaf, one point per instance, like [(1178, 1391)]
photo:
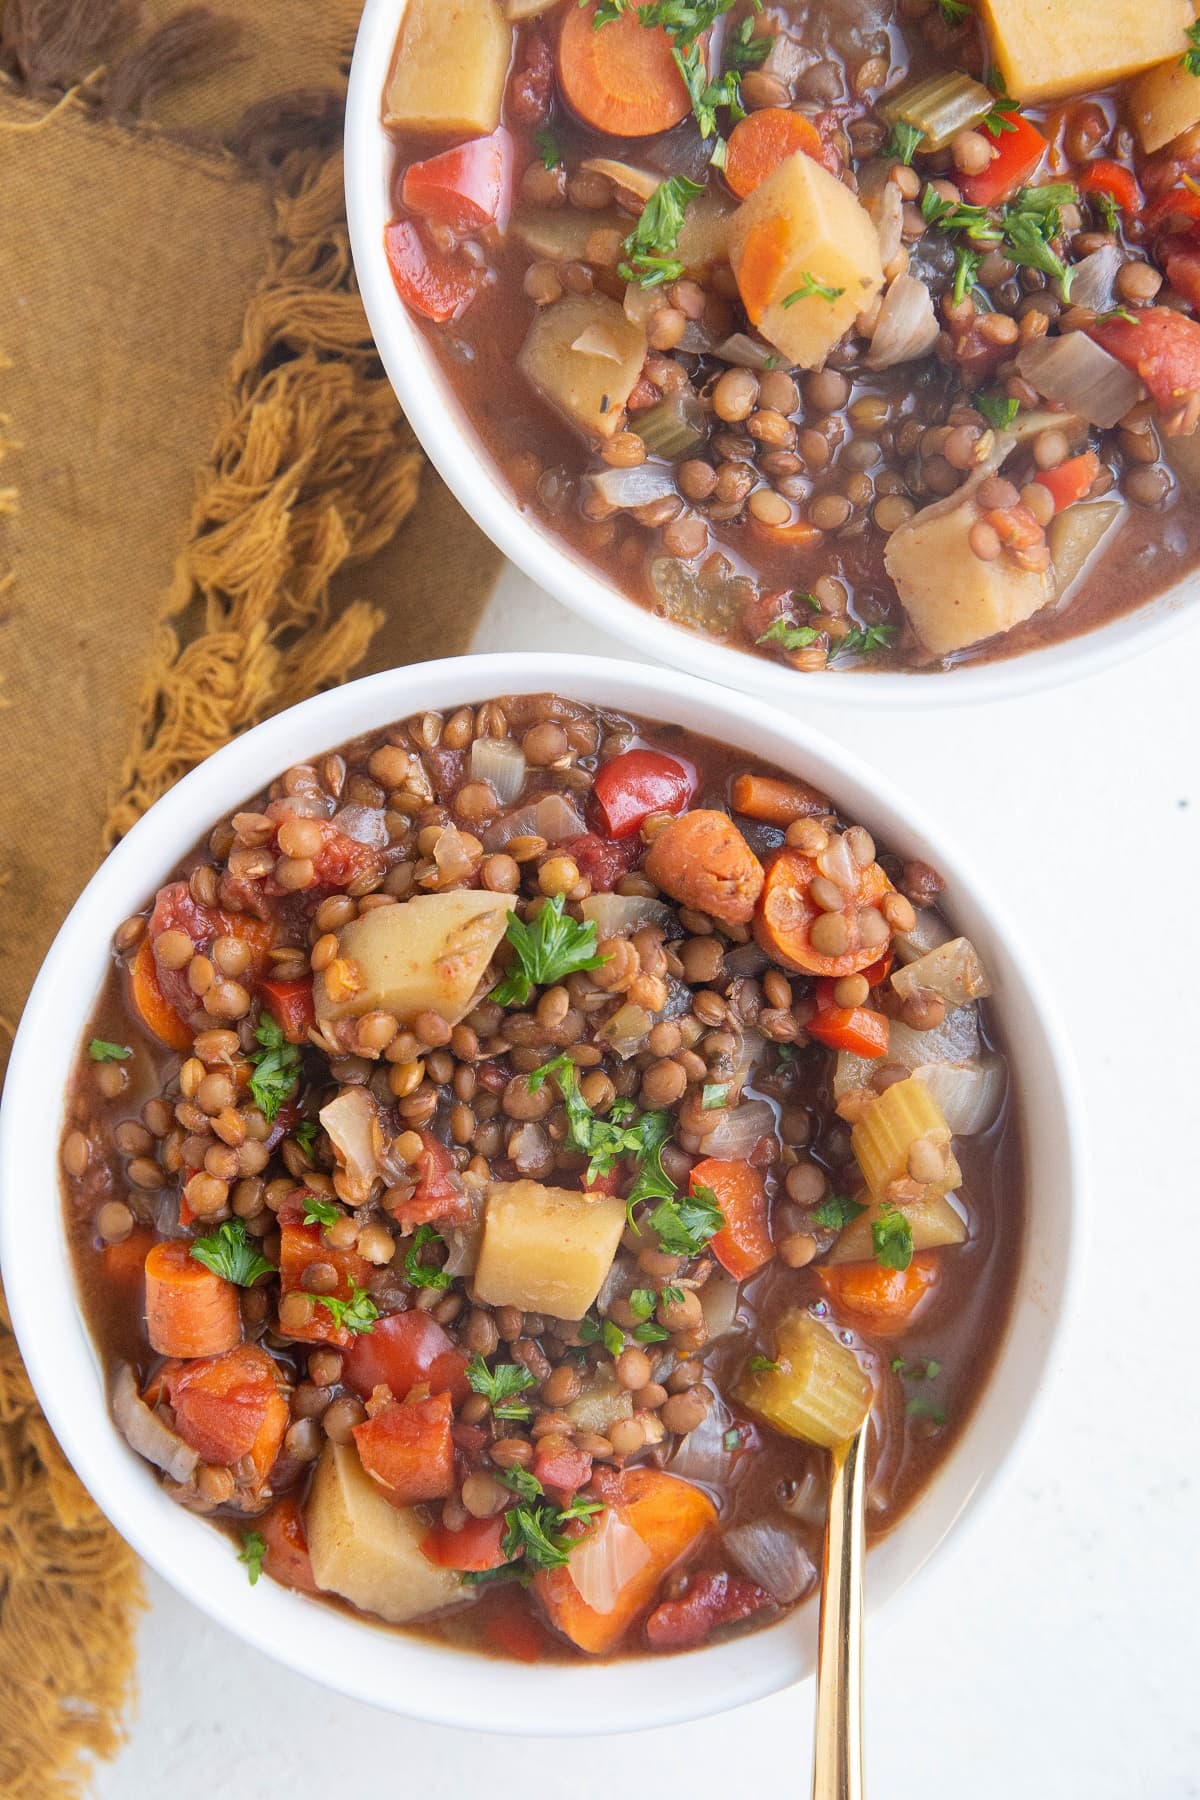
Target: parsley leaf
[(606, 1141), (892, 1239), (100, 1050), (1108, 207), (997, 409), (546, 145), (253, 1549), (954, 11), (357, 1314), (924, 1406), (686, 21), (646, 248), (732, 1440), (642, 1302), (651, 1332), (762, 1365), (612, 1337), (1190, 60), (792, 637), (232, 1253), (500, 1386), (318, 1211), (864, 640), (1030, 222), (305, 1135), (812, 289), (685, 1224), (608, 11), (534, 1530), (836, 1210), (742, 49), (966, 268), (714, 1095), (552, 946), (952, 215), (905, 141), (420, 1274), (276, 1068), (1005, 110), (521, 1482)]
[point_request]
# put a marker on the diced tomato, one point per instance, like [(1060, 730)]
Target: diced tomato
[(1018, 153), (743, 1243), (600, 860), (465, 188), (176, 910), (475, 1546), (299, 1247), (562, 1472), (632, 786), (1179, 203), (286, 1558), (1071, 480), (1112, 178), (609, 1183), (877, 974), (403, 1350), (439, 1189), (341, 859), (1161, 346), (713, 1599), (438, 286), (229, 1406), (511, 1628), (407, 1449), (290, 1004), (1180, 257), (853, 1028)]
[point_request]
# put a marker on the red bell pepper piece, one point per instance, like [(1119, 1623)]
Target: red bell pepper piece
[(438, 286), (465, 188), (1161, 346), (1114, 179), (286, 1558), (475, 1546), (714, 1598), (632, 786), (743, 1243), (406, 1447), (402, 1351), (1177, 203), (1071, 480), (1018, 153), (290, 1004), (853, 1028)]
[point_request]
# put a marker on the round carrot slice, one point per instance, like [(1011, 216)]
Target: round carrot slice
[(621, 78), (759, 143), (786, 911), (153, 1008)]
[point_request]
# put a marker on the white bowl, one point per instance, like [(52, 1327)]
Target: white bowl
[(456, 452), (395, 1671)]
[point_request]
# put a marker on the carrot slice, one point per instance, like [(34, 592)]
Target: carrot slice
[(786, 912), (622, 78), (744, 1242), (286, 1557), (124, 1263), (189, 1310), (776, 802), (883, 1301), (408, 1449), (703, 860), (155, 1012), (759, 143)]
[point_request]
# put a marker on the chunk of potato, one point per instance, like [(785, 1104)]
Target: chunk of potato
[(369, 1551), (546, 1249), (560, 234), (954, 598), (704, 235), (427, 954), (1163, 103), (588, 387), (801, 228), (1046, 48), (933, 1222), (450, 67)]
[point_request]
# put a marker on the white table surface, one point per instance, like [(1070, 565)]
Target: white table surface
[(1055, 1652)]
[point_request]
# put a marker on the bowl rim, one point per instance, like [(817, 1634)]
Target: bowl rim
[(453, 447), (404, 1673)]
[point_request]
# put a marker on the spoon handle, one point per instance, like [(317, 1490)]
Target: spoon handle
[(838, 1747)]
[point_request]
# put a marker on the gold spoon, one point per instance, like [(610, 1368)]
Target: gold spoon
[(838, 1737)]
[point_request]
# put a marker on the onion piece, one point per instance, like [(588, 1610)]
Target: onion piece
[(1092, 279), (551, 816), (697, 339), (752, 1046), (953, 971), (454, 861), (616, 915), (886, 207), (719, 1304), (623, 175), (735, 1133), (604, 1562), (501, 763), (145, 1432), (955, 1040), (1075, 536), (810, 1501), (743, 352), (598, 340), (772, 1554), (352, 1121), (929, 931), (365, 824), (907, 326), (1079, 374), (836, 862), (632, 487), (969, 1093), (626, 1031), (602, 1402), (701, 1455)]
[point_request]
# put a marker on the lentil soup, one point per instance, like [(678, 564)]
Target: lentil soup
[(508, 1152), (860, 335)]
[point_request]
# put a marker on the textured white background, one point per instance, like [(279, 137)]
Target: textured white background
[(1055, 1651)]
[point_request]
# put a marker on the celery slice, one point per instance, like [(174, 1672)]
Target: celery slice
[(940, 108), (674, 428), (814, 1390), (902, 1116)]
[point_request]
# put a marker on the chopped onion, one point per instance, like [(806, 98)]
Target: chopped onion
[(616, 915), (746, 959), (1092, 279), (551, 816), (955, 1040), (640, 304), (365, 824), (632, 487), (953, 971), (462, 1238), (1076, 534), (929, 931), (886, 207), (352, 1121), (969, 1093), (678, 1001), (145, 1432), (701, 1455), (752, 1046), (625, 1033), (744, 352), (836, 862), (735, 1132), (907, 326), (604, 1562), (771, 1553), (634, 181), (454, 860), (598, 340), (602, 1402), (810, 1501), (501, 763), (1079, 374), (719, 1304), (697, 339)]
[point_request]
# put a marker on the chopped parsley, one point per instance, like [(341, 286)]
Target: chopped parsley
[(672, 1296), (546, 145), (500, 1387), (742, 49), (791, 637), (651, 1332), (812, 289), (892, 1239), (732, 1439), (1190, 60), (357, 1314), (955, 12), (521, 1482), (952, 215), (647, 249), (762, 1365), (685, 1224), (251, 1554), (606, 1332), (997, 409), (305, 1135), (100, 1050), (1108, 207), (606, 1141), (420, 1274), (924, 1369), (1004, 110), (1025, 227), (552, 946), (924, 1406), (715, 1094), (905, 141), (276, 1068), (836, 1210), (864, 640), (607, 11), (232, 1253), (533, 1533), (642, 1302), (318, 1211), (966, 268)]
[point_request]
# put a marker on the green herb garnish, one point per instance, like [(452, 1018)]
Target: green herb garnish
[(651, 1332), (100, 1050), (997, 409), (305, 1135), (318, 1211), (905, 141), (552, 946), (276, 1068), (500, 1386), (233, 1254), (1190, 60), (357, 1314), (606, 1141), (1004, 110), (966, 268), (251, 1554), (647, 252), (812, 289), (892, 1239), (835, 1211), (924, 1406), (742, 49), (685, 1224), (713, 1095), (522, 1482), (791, 637), (421, 1274), (546, 145), (864, 640), (642, 1302), (732, 1439), (762, 1365), (954, 11)]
